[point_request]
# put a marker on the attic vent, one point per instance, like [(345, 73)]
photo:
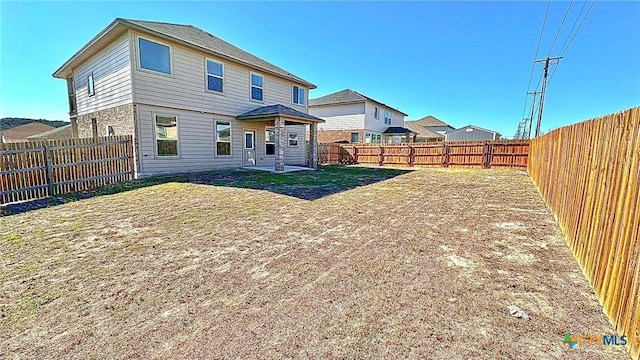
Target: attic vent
[(469, 130)]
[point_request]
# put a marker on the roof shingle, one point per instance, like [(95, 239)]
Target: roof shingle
[(276, 110), (346, 96)]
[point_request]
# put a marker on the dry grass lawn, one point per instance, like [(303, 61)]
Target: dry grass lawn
[(422, 265)]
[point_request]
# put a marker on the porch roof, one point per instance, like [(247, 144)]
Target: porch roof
[(271, 111), (398, 130)]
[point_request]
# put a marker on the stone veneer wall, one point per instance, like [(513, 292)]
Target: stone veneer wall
[(121, 118), (331, 136)]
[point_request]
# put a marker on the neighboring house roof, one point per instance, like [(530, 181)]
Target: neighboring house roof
[(430, 120), (63, 132), (346, 96), (475, 127), (22, 132), (270, 111), (187, 35), (422, 131), (398, 130)]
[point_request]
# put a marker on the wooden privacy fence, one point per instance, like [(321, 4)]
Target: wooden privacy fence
[(589, 175), (485, 154), (40, 169)]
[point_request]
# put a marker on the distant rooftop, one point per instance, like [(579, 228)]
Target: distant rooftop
[(346, 96), (430, 120)]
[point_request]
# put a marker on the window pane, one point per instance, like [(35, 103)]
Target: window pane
[(166, 127), (256, 80), (256, 93), (214, 83), (270, 149), (295, 94), (224, 131), (293, 139), (223, 148), (154, 56), (301, 96), (214, 68), (354, 137), (90, 87), (167, 147), (270, 136), (248, 140)]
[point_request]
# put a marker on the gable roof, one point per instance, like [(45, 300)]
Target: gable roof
[(431, 120), (187, 35), (475, 127), (422, 131), (346, 96), (20, 133), (398, 130), (269, 111)]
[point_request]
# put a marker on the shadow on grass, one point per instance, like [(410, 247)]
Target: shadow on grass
[(306, 185)]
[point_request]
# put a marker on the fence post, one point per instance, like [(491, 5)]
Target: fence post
[(380, 157), (487, 155), (445, 155), (47, 164), (410, 156)]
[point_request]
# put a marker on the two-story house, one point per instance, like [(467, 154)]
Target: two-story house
[(191, 100), (352, 117)]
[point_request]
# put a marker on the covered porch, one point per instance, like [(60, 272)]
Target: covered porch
[(280, 116), (398, 134)]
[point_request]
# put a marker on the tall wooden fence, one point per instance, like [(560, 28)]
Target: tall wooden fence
[(485, 154), (40, 169), (589, 175)]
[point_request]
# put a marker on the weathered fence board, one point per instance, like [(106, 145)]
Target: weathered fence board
[(486, 154), (34, 170), (589, 175)]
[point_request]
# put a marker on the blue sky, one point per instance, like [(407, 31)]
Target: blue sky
[(463, 62)]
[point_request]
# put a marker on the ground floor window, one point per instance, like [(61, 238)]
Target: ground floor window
[(293, 139), (166, 135), (354, 138), (223, 138), (270, 142)]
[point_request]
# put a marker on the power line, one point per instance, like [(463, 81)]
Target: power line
[(560, 28), (526, 96), (579, 27), (574, 35)]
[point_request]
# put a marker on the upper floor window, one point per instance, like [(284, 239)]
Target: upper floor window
[(215, 75), (298, 95), (166, 135), (256, 87), (90, 86), (376, 113), (154, 56), (387, 117)]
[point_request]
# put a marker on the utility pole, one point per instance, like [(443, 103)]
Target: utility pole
[(533, 106), (547, 61)]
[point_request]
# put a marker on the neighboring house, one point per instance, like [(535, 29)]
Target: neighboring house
[(433, 124), (191, 100), (352, 117), (423, 134), (63, 132), (22, 132), (472, 133)]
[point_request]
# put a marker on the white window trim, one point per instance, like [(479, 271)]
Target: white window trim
[(93, 83), (215, 138), (139, 61), (289, 140), (267, 128), (251, 85), (206, 77), (304, 98), (155, 136)]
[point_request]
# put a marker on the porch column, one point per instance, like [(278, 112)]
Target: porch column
[(280, 144), (313, 143)]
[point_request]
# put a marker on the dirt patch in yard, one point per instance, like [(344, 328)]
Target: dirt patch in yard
[(423, 265)]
